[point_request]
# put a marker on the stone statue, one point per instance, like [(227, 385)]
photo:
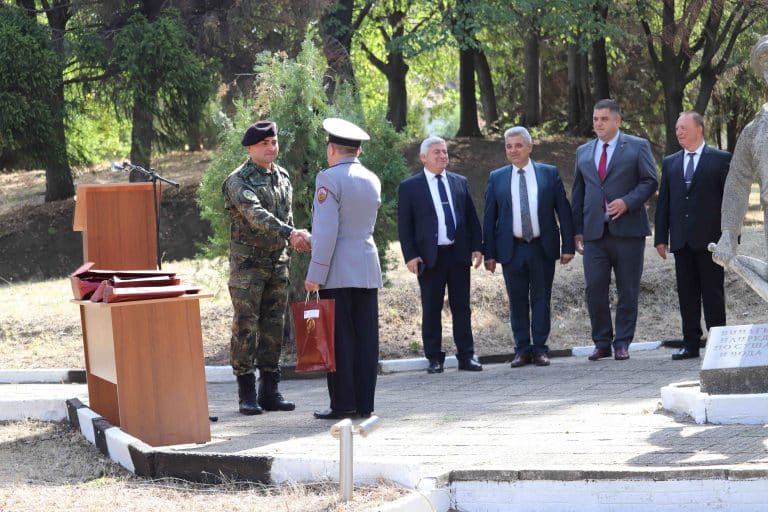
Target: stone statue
[(750, 160)]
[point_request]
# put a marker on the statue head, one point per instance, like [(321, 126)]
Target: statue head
[(759, 57)]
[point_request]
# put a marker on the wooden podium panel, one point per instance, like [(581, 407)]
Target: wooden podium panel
[(118, 225), (145, 371)]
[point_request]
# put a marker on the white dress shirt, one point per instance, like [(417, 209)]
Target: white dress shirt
[(533, 200), (442, 237), (696, 157), (611, 148)]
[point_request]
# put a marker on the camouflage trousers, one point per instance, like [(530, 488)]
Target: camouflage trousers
[(259, 290)]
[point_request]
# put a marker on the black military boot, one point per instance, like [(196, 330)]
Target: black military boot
[(269, 398), (246, 389)]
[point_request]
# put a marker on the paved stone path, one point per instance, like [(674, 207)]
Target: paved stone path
[(574, 414)]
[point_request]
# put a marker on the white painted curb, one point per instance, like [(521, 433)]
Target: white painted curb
[(633, 347), (44, 376), (413, 502), (44, 402), (85, 418), (117, 445), (223, 374), (414, 364), (687, 398), (50, 409)]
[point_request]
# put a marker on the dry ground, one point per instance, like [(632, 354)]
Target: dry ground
[(48, 466), (41, 329), (19, 189)]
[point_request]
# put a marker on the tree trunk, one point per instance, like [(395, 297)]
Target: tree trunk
[(58, 175), (336, 32), (574, 106), (579, 97), (600, 60), (397, 94), (142, 131), (194, 137), (485, 83), (707, 83), (673, 105), (532, 102), (468, 126)]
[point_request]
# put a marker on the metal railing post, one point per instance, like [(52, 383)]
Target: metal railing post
[(344, 430)]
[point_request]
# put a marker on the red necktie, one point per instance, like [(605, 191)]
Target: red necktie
[(603, 163)]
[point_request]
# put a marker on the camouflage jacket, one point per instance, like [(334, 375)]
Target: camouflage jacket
[(259, 205)]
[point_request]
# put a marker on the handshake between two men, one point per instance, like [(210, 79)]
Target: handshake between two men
[(300, 240)]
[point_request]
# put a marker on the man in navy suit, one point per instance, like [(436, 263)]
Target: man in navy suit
[(687, 220), (521, 232), (615, 174), (440, 238)]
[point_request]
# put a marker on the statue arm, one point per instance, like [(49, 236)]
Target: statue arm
[(738, 184)]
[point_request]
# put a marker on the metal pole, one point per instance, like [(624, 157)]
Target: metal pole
[(345, 461), (345, 431)]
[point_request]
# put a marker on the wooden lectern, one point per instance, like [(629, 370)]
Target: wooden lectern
[(143, 358), (144, 368), (118, 225)]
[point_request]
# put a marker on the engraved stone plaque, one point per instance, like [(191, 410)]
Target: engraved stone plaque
[(736, 360)]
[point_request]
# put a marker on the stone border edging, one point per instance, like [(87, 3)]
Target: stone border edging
[(222, 374)]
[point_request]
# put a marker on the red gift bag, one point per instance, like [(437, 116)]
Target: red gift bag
[(313, 325)]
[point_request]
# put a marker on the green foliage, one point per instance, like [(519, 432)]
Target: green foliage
[(290, 92), (159, 69), (94, 132), (28, 71)]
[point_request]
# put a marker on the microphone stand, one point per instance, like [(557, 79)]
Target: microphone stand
[(154, 178)]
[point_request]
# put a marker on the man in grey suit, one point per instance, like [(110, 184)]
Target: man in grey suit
[(614, 176), (345, 267)]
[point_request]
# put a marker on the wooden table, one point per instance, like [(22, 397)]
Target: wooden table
[(145, 369)]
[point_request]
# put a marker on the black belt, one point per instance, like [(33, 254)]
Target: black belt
[(445, 247)]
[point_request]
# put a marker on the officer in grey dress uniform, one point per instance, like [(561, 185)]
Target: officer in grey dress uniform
[(345, 267)]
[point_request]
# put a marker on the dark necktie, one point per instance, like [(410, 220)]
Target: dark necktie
[(689, 171), (603, 162), (525, 208), (450, 226)]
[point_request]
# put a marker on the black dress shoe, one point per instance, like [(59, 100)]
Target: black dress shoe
[(541, 359), (621, 353), (600, 353), (470, 365), (330, 414), (521, 360), (684, 354), (435, 366)]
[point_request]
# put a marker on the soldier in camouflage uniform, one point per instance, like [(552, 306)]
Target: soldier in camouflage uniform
[(258, 197)]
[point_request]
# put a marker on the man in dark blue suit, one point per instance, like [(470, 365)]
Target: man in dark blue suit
[(687, 220), (440, 238), (522, 233)]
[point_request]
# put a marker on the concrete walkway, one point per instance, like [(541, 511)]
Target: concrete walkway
[(575, 420), (572, 414)]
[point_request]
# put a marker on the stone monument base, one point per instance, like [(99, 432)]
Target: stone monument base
[(687, 398)]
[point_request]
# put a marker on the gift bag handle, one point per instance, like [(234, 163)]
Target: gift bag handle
[(317, 296)]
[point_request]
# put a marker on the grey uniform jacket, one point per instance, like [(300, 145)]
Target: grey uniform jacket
[(631, 176), (344, 255)]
